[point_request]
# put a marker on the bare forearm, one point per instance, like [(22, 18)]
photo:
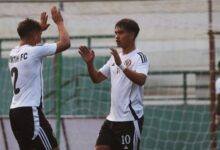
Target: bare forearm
[(64, 37), (88, 56), (64, 41), (135, 77), (93, 73)]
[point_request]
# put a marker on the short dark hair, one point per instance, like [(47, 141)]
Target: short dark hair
[(128, 25), (26, 26)]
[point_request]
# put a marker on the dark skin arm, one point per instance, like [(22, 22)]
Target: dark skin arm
[(135, 77), (96, 76), (64, 41), (43, 21), (88, 56)]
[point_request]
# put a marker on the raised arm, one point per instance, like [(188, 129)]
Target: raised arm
[(43, 21), (138, 78), (88, 56), (64, 41)]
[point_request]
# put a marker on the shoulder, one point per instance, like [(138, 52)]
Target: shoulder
[(141, 56), (14, 49), (21, 49), (44, 46), (37, 48), (40, 44)]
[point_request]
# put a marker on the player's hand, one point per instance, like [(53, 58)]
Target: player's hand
[(43, 21), (88, 55), (56, 15), (116, 56)]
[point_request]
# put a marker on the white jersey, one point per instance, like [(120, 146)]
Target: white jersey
[(25, 64), (126, 96), (217, 86)]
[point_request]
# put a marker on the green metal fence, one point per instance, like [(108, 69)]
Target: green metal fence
[(69, 91)]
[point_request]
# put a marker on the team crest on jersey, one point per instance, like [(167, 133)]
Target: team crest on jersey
[(127, 62)]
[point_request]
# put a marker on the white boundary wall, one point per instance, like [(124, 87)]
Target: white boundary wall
[(173, 33)]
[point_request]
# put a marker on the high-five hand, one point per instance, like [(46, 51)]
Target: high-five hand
[(116, 56), (43, 21), (56, 15), (88, 55)]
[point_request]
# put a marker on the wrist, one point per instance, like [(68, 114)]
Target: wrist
[(122, 66), (60, 23), (89, 63)]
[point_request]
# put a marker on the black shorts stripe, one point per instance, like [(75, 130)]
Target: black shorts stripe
[(143, 57), (31, 129), (133, 112), (44, 139)]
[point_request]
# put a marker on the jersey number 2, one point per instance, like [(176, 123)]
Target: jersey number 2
[(14, 72)]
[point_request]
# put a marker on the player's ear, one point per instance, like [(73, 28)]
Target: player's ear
[(132, 35)]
